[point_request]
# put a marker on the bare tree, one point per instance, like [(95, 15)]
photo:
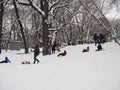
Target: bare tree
[(1, 20), (21, 27), (44, 10)]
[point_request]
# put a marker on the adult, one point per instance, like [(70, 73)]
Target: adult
[(36, 53), (96, 38), (102, 38)]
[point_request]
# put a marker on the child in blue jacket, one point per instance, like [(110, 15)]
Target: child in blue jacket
[(6, 60)]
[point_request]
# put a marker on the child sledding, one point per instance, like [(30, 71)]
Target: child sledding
[(25, 62), (6, 60), (86, 50), (62, 54)]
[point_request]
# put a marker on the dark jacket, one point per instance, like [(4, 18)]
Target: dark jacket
[(99, 47), (7, 60), (36, 50)]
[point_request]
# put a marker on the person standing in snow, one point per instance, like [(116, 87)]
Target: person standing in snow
[(96, 38), (36, 53), (83, 39), (50, 50), (53, 48), (6, 60)]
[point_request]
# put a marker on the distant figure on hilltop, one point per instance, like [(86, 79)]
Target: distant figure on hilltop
[(62, 54), (6, 60), (86, 50)]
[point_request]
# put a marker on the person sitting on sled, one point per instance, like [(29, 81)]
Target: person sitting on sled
[(86, 50), (62, 54), (6, 60)]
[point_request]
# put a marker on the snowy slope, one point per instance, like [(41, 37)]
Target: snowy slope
[(76, 71)]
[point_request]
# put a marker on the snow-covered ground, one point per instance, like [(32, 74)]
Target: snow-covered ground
[(76, 71)]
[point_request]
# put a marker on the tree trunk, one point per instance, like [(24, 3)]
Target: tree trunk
[(21, 27), (1, 22), (45, 29)]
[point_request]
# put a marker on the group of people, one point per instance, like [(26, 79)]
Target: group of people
[(99, 38), (53, 48), (64, 53)]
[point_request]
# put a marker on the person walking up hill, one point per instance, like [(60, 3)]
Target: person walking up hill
[(36, 53)]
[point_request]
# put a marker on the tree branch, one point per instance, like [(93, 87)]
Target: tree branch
[(26, 4), (55, 3), (94, 16), (33, 6)]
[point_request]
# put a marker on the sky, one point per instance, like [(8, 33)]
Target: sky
[(76, 71)]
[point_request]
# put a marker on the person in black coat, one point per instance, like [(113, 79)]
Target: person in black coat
[(102, 38), (36, 53), (96, 38), (99, 47)]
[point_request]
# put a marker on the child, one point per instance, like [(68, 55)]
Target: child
[(86, 50), (49, 50), (62, 54), (6, 60)]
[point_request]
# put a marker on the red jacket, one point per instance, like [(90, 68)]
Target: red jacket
[(64, 53)]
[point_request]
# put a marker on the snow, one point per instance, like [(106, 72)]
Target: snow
[(77, 71)]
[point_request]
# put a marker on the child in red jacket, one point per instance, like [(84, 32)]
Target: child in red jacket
[(62, 54)]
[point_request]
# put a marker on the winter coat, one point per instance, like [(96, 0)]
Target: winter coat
[(6, 60), (64, 53), (36, 50), (50, 50), (99, 47)]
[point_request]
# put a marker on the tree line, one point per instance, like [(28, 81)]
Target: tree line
[(44, 22)]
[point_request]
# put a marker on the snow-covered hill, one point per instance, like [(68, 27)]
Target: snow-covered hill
[(76, 71)]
